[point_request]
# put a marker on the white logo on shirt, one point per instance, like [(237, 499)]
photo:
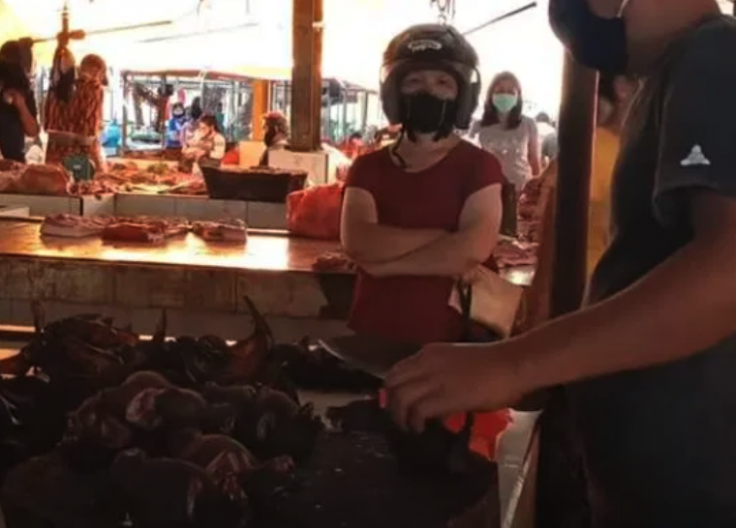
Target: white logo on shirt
[(695, 158)]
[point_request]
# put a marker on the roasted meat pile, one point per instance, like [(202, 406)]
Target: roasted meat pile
[(34, 179), (102, 428), (99, 427), (52, 180)]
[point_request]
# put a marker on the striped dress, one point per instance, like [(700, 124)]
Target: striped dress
[(82, 116)]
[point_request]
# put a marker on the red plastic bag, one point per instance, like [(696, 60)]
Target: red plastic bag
[(232, 157), (315, 212), (486, 430)]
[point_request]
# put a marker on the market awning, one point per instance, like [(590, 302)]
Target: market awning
[(258, 43), (11, 27)]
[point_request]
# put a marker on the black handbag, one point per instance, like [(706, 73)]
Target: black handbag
[(471, 332)]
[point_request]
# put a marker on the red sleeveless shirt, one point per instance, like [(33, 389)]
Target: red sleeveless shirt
[(415, 309)]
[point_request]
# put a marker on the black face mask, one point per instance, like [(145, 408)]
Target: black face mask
[(596, 42), (423, 113)]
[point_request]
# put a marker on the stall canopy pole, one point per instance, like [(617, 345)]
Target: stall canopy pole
[(576, 135), (560, 484), (306, 76)]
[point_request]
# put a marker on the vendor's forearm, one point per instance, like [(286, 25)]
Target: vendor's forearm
[(649, 324), (374, 243), (30, 124)]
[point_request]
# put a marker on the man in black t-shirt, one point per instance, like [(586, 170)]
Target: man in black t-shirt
[(650, 363), (17, 104)]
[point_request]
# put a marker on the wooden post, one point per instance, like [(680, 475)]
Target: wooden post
[(561, 485), (306, 76), (576, 136), (261, 106)]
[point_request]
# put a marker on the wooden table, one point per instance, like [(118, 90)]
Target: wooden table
[(187, 276)]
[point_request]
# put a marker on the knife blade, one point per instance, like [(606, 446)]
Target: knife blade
[(374, 356)]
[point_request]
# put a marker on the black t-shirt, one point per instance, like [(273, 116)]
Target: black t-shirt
[(660, 444), (12, 135)]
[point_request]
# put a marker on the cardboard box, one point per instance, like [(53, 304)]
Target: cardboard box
[(44, 205)]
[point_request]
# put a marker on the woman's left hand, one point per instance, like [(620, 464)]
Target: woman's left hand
[(445, 379)]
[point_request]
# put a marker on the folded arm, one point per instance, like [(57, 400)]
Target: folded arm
[(454, 254), (366, 241), (684, 306)]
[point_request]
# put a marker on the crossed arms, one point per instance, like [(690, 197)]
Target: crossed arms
[(383, 250)]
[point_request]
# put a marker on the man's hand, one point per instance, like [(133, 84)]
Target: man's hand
[(445, 379)]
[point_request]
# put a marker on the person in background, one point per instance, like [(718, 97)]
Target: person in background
[(210, 145), (60, 92), (547, 138), (175, 126), (275, 134), (112, 137), (189, 129), (647, 366), (426, 210), (18, 112), (81, 130), (353, 146), (220, 116), (508, 134), (386, 135), (615, 94)]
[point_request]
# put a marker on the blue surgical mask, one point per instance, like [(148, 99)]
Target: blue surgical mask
[(504, 103)]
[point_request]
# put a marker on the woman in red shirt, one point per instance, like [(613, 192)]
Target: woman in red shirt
[(425, 211)]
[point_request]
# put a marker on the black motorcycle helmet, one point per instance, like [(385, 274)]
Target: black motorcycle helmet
[(431, 47)]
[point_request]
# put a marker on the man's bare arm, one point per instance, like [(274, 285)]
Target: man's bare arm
[(366, 241), (684, 306), (455, 254), (27, 119)]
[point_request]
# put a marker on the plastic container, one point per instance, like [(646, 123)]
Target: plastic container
[(253, 185)]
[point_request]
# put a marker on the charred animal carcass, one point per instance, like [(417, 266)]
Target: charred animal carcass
[(169, 492), (231, 465), (82, 348), (94, 434), (46, 491), (270, 422)]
